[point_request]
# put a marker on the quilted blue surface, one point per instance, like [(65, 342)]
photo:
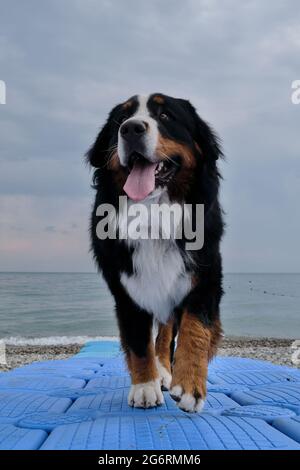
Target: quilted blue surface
[(38, 383), (287, 395), (115, 401), (268, 413), (289, 426), (16, 405), (14, 438), (169, 432), (81, 403), (251, 378)]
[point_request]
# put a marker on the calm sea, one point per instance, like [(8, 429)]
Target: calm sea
[(61, 308)]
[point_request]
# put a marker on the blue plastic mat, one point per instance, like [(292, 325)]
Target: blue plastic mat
[(265, 412), (116, 402), (38, 383), (251, 378), (287, 395), (169, 432), (68, 372), (231, 364), (81, 403), (289, 426), (16, 405), (14, 438)]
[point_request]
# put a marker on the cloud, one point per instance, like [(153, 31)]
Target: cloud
[(40, 233), (66, 63), (50, 228)]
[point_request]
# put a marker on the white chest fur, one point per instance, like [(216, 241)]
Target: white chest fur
[(160, 281)]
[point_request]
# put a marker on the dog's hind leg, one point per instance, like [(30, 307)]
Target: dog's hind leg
[(216, 338), (164, 349), (137, 341)]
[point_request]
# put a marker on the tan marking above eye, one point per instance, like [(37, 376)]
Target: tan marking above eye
[(158, 99), (127, 104)]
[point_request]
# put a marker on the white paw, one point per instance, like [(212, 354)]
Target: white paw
[(176, 392), (164, 374), (146, 395), (186, 401)]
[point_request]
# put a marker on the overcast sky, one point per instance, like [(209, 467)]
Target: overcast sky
[(67, 62)]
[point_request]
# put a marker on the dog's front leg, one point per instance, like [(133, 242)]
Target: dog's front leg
[(164, 346), (145, 390), (137, 342), (196, 344)]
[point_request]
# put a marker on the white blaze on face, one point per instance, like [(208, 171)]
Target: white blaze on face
[(141, 178), (151, 137)]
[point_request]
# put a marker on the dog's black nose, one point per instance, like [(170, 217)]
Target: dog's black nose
[(133, 129)]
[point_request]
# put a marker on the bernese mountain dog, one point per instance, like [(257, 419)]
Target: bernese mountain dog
[(156, 149)]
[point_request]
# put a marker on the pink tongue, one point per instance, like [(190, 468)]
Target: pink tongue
[(140, 181)]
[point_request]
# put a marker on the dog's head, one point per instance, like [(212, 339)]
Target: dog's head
[(152, 144)]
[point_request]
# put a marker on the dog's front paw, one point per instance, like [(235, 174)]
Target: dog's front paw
[(146, 395), (192, 403), (164, 374)]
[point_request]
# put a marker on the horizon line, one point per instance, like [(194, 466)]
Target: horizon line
[(96, 272)]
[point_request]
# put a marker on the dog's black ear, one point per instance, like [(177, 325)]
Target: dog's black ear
[(207, 140), (205, 137), (98, 151), (105, 141)]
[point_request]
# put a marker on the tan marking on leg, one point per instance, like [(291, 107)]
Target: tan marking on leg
[(163, 344), (143, 369), (191, 356), (163, 353), (215, 329), (145, 391), (216, 338)]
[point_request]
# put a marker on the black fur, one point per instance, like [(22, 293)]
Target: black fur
[(114, 256)]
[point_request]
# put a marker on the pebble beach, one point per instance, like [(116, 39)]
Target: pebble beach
[(277, 351)]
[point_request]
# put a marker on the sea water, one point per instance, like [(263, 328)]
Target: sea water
[(57, 308)]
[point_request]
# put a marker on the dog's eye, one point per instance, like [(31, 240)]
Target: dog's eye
[(164, 117)]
